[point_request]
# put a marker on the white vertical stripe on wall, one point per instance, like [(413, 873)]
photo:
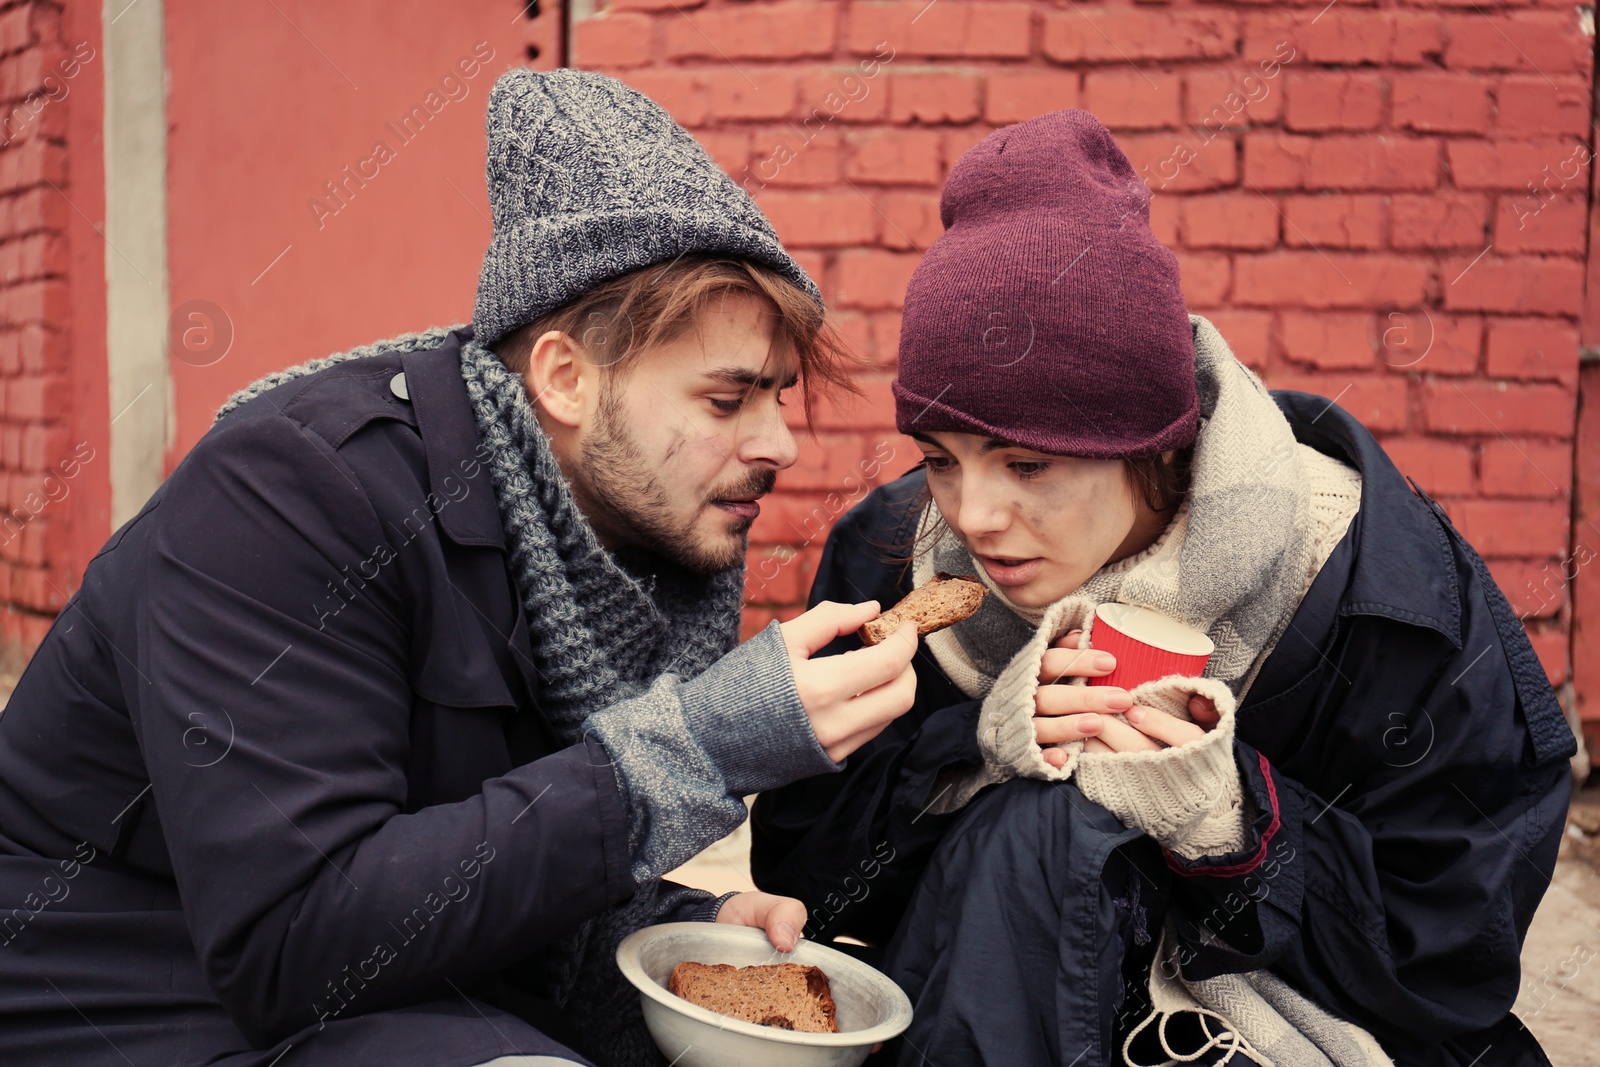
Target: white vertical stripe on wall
[(136, 250)]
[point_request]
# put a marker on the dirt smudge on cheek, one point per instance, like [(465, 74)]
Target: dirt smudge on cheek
[(674, 447), (1039, 505)]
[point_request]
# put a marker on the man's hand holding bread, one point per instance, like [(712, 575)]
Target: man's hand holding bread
[(851, 697)]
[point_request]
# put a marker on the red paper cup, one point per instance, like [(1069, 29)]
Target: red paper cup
[(1148, 645)]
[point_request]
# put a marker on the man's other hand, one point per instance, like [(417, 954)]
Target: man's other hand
[(781, 917)]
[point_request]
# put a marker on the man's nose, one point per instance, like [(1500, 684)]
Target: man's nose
[(767, 439)]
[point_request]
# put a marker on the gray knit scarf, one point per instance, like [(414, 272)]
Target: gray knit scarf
[(603, 627)]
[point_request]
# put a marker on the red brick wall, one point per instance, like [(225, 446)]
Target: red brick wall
[(52, 477), (1375, 202)]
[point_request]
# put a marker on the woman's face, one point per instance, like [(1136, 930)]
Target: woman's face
[(1039, 524)]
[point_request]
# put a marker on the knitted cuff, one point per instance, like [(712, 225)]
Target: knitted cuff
[(745, 712), (1189, 798), (1005, 717), (706, 911), (685, 752)]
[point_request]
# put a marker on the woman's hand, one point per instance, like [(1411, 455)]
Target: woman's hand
[(1089, 713), (781, 917), (1148, 729), (1065, 713)]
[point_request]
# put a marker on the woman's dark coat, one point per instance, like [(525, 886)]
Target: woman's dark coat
[(276, 778), (1402, 746)]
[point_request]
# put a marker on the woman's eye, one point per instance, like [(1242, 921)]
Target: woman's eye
[(727, 407), (1029, 469)]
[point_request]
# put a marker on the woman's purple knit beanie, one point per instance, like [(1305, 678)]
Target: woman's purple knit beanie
[(1047, 314)]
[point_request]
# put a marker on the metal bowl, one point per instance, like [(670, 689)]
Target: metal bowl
[(871, 1008)]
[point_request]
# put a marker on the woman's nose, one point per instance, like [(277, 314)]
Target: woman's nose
[(983, 508)]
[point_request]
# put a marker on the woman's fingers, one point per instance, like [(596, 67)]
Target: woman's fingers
[(1124, 738), (1058, 663), (1165, 728), (1074, 699), (1105, 719), (1204, 711), (1071, 657), (1054, 731)]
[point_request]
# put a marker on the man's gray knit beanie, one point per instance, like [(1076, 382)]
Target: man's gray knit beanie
[(589, 179)]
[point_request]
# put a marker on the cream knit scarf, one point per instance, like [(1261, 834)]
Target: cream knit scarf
[(1261, 517), (1232, 562)]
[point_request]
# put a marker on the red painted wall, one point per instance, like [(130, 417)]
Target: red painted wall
[(1376, 202), (83, 402), (288, 225), (54, 485)]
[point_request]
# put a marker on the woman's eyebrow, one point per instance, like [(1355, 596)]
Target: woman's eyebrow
[(993, 444)]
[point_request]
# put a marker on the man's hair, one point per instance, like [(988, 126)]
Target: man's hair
[(633, 312)]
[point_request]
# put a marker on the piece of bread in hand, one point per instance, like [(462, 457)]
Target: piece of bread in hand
[(790, 996), (944, 601)]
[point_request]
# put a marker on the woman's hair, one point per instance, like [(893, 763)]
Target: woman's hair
[(657, 304), (1162, 483)]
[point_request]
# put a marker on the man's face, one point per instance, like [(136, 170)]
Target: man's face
[(675, 455)]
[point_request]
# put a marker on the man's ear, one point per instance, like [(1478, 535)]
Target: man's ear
[(558, 378)]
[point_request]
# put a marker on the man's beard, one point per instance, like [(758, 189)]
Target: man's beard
[(614, 477)]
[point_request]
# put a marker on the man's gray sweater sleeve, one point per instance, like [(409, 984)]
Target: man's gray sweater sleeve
[(686, 752)]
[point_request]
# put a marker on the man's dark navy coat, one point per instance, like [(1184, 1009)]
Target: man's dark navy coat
[(278, 765), (1402, 746)]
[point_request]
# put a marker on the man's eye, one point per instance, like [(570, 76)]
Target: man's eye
[(1029, 469), (937, 464)]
